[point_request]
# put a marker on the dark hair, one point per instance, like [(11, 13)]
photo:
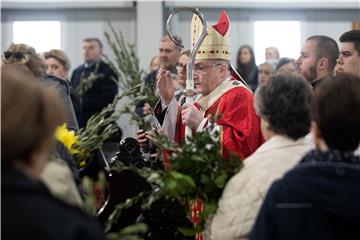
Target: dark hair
[(284, 102), (326, 47), (283, 61), (242, 68), (94, 39), (252, 59), (333, 108), (30, 112), (352, 36)]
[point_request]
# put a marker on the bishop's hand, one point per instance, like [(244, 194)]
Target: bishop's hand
[(191, 116), (165, 84)]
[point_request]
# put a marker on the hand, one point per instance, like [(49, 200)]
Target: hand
[(142, 138), (165, 84), (146, 109), (191, 116)]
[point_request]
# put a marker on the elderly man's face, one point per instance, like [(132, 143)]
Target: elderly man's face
[(169, 54), (307, 62), (208, 75), (349, 59)]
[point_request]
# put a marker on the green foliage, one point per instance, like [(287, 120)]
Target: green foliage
[(98, 128), (128, 233), (86, 83), (126, 61), (200, 161), (92, 190), (198, 171), (127, 68)]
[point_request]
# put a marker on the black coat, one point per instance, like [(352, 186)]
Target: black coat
[(318, 199), (29, 211), (150, 83), (101, 93), (251, 77)]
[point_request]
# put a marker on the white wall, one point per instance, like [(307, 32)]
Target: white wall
[(77, 24)]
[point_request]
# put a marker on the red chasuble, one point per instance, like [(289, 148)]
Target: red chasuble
[(238, 123)]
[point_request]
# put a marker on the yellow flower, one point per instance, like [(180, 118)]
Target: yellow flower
[(67, 137)]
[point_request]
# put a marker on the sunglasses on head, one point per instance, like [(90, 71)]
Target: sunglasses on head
[(15, 56)]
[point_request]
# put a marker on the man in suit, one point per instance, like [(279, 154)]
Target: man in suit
[(94, 80)]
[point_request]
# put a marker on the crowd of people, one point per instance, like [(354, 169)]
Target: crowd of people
[(294, 124)]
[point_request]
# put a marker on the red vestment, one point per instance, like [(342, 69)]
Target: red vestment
[(231, 103), (238, 123)]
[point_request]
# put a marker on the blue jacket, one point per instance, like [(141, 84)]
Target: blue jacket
[(318, 199)]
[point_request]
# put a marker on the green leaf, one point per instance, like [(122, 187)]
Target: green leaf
[(220, 180), (187, 232)]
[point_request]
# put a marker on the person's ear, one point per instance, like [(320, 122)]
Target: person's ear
[(323, 63), (223, 68)]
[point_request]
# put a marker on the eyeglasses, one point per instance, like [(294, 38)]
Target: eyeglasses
[(201, 69), (10, 57)]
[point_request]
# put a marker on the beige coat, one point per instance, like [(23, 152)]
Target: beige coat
[(58, 178), (245, 192)]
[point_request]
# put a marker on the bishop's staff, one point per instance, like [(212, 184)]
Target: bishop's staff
[(190, 89)]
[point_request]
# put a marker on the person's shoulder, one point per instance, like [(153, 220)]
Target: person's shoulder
[(104, 65), (28, 204), (68, 217), (151, 77), (152, 74), (239, 92), (106, 68), (80, 68), (56, 79), (58, 83)]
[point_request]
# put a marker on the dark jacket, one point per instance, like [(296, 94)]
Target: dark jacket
[(251, 77), (64, 90), (60, 150), (29, 211), (315, 83), (150, 83), (76, 102), (101, 93), (318, 199)]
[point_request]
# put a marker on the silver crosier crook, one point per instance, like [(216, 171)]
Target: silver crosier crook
[(189, 91)]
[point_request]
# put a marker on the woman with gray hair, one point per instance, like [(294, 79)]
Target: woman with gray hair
[(283, 106)]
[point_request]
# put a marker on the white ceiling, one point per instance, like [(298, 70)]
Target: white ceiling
[(293, 4)]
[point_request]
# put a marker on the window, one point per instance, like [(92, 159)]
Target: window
[(42, 35), (284, 35)]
